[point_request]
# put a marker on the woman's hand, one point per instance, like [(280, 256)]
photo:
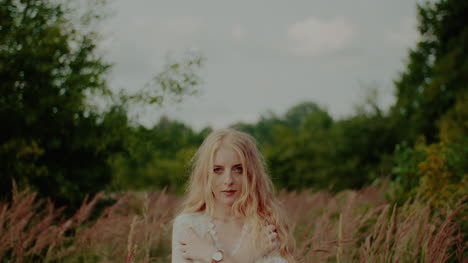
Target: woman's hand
[(194, 247), (268, 242)]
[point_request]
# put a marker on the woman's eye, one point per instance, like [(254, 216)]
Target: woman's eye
[(238, 169), (217, 170)]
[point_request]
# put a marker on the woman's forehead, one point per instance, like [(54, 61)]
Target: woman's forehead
[(226, 155)]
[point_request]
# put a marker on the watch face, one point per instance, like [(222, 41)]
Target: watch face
[(217, 256)]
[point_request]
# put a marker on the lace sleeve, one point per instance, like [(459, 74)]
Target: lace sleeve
[(179, 222), (273, 257)]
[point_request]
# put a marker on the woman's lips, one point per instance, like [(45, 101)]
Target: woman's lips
[(229, 192)]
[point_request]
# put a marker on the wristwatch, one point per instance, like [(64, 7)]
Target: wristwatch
[(217, 256)]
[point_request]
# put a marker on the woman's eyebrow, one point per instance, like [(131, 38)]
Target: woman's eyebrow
[(235, 165)]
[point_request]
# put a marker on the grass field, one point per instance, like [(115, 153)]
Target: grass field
[(351, 226)]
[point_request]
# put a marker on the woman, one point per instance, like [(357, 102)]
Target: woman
[(230, 213)]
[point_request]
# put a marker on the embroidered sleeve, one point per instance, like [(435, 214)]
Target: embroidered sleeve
[(179, 222)]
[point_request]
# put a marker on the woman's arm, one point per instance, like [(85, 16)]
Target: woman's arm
[(187, 244), (177, 233), (228, 259), (201, 248), (274, 257)]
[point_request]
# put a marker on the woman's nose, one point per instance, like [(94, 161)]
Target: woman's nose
[(228, 178)]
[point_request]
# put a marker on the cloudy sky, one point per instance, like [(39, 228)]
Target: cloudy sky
[(262, 55)]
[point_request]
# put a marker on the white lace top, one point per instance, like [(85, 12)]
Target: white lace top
[(202, 224)]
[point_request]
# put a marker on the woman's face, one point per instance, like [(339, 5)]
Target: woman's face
[(227, 175)]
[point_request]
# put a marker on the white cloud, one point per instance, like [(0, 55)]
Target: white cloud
[(312, 37), (238, 32)]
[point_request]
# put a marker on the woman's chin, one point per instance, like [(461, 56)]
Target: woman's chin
[(228, 201)]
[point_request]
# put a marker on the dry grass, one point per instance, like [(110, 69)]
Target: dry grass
[(362, 227), (352, 226)]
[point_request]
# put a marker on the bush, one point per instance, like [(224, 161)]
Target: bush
[(436, 172)]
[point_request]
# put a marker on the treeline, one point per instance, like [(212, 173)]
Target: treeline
[(55, 141), (420, 143)]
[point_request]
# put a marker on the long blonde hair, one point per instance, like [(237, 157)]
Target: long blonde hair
[(257, 201)]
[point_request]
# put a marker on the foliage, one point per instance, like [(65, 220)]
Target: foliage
[(294, 156), (53, 139), (453, 126), (431, 100), (443, 174), (176, 80), (405, 172), (435, 79), (434, 172), (307, 148), (156, 157)]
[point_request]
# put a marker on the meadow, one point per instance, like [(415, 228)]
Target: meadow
[(407, 159), (350, 226)]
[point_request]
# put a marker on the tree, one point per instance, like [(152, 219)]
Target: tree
[(431, 110), (156, 157), (52, 139), (436, 77)]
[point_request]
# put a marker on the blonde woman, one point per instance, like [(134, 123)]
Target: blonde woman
[(230, 213)]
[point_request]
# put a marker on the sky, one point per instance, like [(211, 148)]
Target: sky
[(261, 56)]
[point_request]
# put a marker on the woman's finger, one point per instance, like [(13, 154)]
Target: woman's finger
[(270, 228), (270, 247), (272, 236), (276, 244)]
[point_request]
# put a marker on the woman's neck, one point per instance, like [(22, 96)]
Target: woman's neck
[(224, 213)]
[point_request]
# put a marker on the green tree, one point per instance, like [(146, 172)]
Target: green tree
[(431, 113), (363, 146), (51, 138), (300, 153), (156, 157), (436, 76), (306, 148)]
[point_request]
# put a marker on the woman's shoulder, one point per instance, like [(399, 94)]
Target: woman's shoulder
[(189, 218), (198, 221)]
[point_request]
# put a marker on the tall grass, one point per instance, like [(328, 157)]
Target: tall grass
[(352, 226)]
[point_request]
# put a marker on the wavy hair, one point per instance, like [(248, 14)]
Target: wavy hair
[(257, 201)]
